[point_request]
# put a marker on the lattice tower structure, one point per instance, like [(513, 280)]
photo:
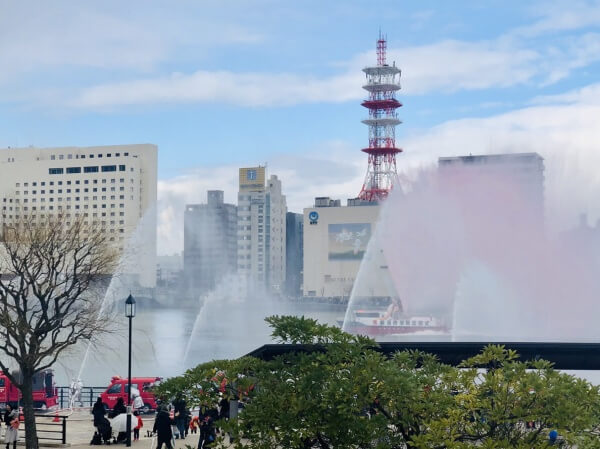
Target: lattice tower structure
[(383, 81)]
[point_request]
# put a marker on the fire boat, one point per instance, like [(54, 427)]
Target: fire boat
[(391, 320), (379, 322)]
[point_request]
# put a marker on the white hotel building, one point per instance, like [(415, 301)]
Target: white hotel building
[(109, 186)]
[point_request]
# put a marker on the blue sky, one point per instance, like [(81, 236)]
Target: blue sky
[(220, 84)]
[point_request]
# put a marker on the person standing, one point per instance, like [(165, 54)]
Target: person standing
[(180, 410), (138, 426), (207, 429), (162, 428), (98, 411), (11, 419), (194, 424), (78, 392)]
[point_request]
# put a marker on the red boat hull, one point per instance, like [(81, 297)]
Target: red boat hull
[(363, 329)]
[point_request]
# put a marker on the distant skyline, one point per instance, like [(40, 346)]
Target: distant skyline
[(222, 84)]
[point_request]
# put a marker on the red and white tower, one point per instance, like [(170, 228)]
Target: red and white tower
[(383, 81)]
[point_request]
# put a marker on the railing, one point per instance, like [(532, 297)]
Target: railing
[(88, 396), (48, 430)]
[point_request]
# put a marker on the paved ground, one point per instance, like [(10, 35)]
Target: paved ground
[(80, 431)]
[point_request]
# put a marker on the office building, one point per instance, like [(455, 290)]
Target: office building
[(335, 241), (261, 231), (294, 230), (109, 186), (210, 243)]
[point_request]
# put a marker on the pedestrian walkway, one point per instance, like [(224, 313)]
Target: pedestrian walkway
[(80, 430)]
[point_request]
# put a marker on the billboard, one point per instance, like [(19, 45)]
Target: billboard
[(348, 241)]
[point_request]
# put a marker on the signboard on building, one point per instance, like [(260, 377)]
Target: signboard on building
[(348, 241)]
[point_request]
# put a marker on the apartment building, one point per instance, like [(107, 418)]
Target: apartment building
[(261, 230)]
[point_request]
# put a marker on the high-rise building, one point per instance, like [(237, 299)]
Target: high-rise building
[(109, 186), (261, 230), (294, 229), (517, 174), (210, 243)]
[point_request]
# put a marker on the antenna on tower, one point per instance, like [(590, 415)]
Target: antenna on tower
[(381, 49)]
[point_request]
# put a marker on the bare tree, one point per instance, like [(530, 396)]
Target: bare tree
[(50, 286)]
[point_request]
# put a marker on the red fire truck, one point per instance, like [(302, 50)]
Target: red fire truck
[(44, 391), (118, 389)]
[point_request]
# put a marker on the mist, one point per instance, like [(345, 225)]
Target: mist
[(470, 245)]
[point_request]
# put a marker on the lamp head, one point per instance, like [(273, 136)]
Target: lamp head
[(130, 307)]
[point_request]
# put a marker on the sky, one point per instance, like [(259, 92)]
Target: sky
[(220, 84)]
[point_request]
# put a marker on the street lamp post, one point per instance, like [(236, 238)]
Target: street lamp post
[(129, 313)]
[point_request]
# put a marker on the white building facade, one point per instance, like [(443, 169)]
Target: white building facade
[(261, 230), (335, 241), (109, 186)]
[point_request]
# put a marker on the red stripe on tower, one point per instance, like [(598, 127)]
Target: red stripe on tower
[(383, 81)]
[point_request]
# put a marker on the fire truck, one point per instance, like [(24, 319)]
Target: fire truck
[(44, 391)]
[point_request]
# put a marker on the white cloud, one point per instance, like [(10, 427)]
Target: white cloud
[(445, 66), (36, 36), (242, 89), (138, 47), (563, 131), (561, 15)]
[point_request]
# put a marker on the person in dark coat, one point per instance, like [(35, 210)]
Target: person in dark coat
[(119, 408), (224, 409), (207, 427), (188, 420), (98, 411), (180, 407), (162, 428)]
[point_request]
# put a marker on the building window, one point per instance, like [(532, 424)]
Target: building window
[(55, 171), (73, 169), (121, 168), (108, 168), (91, 169)]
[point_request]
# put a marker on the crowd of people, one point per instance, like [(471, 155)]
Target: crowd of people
[(184, 422), (172, 422)]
